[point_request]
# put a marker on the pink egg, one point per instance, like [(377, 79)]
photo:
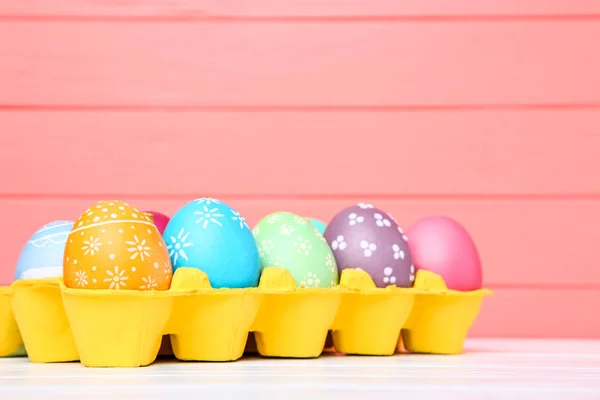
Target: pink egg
[(160, 220), (441, 245)]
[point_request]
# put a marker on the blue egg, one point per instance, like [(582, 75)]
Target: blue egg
[(319, 225), (42, 256), (209, 235)]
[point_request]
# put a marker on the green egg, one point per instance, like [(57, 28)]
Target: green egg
[(289, 241)]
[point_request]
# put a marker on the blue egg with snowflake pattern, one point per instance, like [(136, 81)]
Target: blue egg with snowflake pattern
[(209, 235), (42, 255)]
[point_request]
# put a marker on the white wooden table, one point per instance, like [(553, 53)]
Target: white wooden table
[(490, 369)]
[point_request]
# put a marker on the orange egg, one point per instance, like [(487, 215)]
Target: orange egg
[(115, 246)]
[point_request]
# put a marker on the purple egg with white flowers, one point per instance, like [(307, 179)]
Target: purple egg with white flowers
[(367, 238)]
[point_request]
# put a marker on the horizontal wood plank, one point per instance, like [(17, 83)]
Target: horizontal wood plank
[(299, 7), (288, 64), (489, 369), (522, 243), (539, 314), (401, 154)]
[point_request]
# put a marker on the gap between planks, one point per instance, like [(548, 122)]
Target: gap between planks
[(195, 18), (309, 196), (285, 108)]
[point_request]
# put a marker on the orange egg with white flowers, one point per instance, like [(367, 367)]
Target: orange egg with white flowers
[(113, 245)]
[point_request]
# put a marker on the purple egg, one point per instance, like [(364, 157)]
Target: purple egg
[(368, 238)]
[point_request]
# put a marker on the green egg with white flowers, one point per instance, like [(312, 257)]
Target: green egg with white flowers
[(286, 240)]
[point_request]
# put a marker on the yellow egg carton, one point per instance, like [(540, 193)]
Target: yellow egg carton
[(122, 328), (441, 318), (10, 337)]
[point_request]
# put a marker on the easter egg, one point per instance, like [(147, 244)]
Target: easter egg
[(441, 245), (209, 235), (115, 246), (160, 220), (42, 256), (320, 225), (368, 238), (286, 240)]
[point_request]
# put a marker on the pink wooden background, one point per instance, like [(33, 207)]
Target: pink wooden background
[(485, 110)]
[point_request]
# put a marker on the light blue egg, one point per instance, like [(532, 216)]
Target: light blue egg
[(209, 235), (320, 225), (42, 256)]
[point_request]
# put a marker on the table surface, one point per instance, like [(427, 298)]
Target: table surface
[(496, 369)]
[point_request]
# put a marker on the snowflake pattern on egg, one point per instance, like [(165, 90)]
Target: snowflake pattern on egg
[(91, 246), (178, 244), (207, 201), (208, 216), (239, 219)]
